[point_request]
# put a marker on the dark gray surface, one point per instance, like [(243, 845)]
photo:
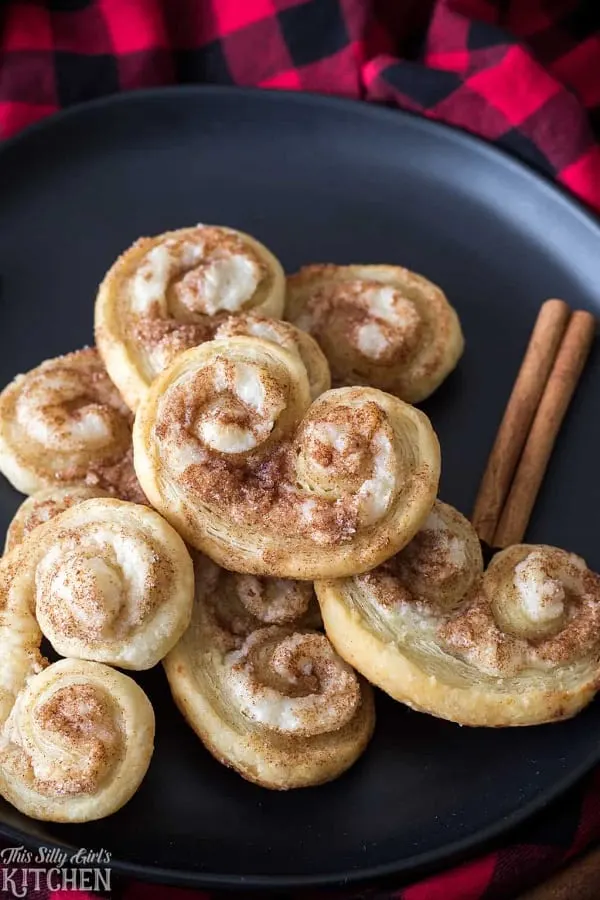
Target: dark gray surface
[(328, 181)]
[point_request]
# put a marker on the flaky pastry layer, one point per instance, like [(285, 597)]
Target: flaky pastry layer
[(76, 737), (171, 292), (63, 424), (267, 694), (516, 645), (378, 325), (109, 581), (230, 449)]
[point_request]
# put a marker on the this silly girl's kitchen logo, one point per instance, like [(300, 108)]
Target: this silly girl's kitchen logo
[(26, 872)]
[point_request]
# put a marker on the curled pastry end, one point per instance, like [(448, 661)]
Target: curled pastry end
[(64, 423), (288, 336), (111, 582), (378, 325), (274, 702), (292, 682), (517, 644), (228, 446), (539, 609), (171, 292), (77, 743)]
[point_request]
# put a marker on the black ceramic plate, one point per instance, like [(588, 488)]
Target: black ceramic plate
[(318, 180)]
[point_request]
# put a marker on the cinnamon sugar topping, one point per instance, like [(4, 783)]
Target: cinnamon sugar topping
[(99, 585), (375, 319), (48, 509), (292, 682), (474, 635), (434, 572), (69, 425), (274, 601), (379, 325), (68, 744), (240, 604), (337, 473), (202, 273), (497, 630), (163, 339), (44, 506)]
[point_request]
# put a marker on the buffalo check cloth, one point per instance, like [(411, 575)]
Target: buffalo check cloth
[(524, 74)]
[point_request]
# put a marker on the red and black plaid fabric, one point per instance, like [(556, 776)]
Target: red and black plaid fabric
[(524, 74), (521, 73)]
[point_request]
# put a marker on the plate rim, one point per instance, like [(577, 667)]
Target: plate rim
[(373, 109), (452, 852)]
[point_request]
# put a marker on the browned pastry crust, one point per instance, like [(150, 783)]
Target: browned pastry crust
[(230, 449), (76, 737), (109, 581), (64, 423), (379, 325), (518, 645), (171, 292), (267, 695)]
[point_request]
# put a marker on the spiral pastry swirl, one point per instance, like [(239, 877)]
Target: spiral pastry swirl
[(229, 448), (109, 581), (43, 506), (240, 604), (77, 743), (170, 292), (289, 337), (518, 644), (267, 695), (65, 423), (379, 325), (76, 737), (20, 635)]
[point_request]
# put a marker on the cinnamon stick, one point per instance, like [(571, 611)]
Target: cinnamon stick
[(565, 374), (539, 358)]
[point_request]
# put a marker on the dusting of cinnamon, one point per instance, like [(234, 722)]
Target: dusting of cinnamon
[(302, 666), (47, 510), (339, 311), (119, 479), (477, 631), (262, 485), (181, 303), (385, 588), (237, 605), (163, 339), (393, 345), (81, 609), (84, 720), (434, 572), (427, 558), (71, 426), (43, 507), (473, 634)]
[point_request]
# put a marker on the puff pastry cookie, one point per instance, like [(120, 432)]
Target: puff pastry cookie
[(109, 581), (517, 645), (378, 325), (168, 293), (76, 737), (229, 448), (267, 695), (64, 423)]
